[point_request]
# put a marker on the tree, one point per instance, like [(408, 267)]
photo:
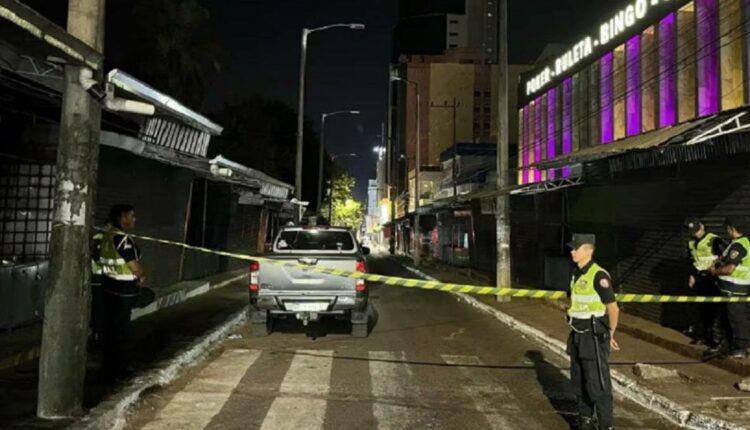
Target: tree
[(347, 211), (164, 43), (260, 133)]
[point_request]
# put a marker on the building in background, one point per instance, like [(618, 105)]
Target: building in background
[(641, 123)]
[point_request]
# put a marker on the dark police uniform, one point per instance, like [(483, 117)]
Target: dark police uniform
[(120, 287), (737, 284), (702, 253), (588, 343)]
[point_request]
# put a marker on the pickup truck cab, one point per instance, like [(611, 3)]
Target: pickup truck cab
[(278, 291)]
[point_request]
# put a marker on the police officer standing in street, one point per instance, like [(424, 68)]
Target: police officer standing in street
[(593, 316), (122, 277), (703, 250), (733, 270)]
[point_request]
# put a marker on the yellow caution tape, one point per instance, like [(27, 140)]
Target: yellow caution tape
[(448, 287)]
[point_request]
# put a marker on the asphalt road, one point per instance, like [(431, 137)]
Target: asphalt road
[(430, 362)]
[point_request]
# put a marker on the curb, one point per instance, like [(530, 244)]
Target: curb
[(112, 413), (622, 384)]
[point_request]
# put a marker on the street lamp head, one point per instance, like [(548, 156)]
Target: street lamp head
[(357, 26)]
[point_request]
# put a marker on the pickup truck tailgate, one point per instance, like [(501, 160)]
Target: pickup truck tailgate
[(284, 279)]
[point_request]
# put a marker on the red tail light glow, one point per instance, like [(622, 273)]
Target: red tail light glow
[(254, 271), (361, 286)]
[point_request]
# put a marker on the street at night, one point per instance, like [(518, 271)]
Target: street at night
[(374, 214), (431, 362)]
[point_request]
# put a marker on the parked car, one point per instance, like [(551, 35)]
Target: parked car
[(278, 291)]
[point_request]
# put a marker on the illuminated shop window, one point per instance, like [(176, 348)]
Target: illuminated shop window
[(537, 137), (618, 92)]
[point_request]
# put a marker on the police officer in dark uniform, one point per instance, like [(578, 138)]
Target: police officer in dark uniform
[(704, 249), (122, 278), (733, 270), (593, 316)]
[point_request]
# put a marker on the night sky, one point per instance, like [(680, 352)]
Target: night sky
[(348, 69)]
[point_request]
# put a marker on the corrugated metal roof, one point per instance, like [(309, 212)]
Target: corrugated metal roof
[(641, 141)]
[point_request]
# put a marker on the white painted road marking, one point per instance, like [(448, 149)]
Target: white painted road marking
[(392, 385), (302, 401), (195, 406)]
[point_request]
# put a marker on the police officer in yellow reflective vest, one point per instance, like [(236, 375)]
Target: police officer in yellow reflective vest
[(122, 276), (593, 317), (704, 249), (733, 270)]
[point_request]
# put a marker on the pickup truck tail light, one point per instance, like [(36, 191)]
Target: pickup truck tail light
[(361, 286), (254, 272)]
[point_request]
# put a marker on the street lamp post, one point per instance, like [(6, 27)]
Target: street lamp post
[(333, 179), (417, 254), (322, 148), (301, 99)]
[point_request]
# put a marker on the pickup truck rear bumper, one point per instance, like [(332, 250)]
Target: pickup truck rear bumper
[(314, 305)]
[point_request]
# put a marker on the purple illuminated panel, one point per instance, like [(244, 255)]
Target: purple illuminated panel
[(567, 120), (667, 72), (706, 13), (525, 144), (538, 138), (551, 101), (608, 129), (632, 86)]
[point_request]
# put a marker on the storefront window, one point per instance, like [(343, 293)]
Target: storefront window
[(538, 142)]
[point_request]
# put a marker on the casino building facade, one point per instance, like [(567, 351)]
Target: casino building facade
[(642, 122)]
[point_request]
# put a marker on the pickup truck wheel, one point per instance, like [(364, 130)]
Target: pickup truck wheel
[(359, 330)]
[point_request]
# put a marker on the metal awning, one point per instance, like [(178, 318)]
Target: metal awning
[(54, 40), (648, 140)]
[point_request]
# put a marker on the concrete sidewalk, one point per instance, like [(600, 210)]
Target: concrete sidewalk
[(186, 312), (701, 388)]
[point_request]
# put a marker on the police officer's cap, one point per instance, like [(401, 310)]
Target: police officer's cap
[(692, 224), (582, 239)]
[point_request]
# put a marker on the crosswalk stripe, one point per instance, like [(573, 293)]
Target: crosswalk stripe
[(483, 390), (392, 385), (301, 402), (195, 406)]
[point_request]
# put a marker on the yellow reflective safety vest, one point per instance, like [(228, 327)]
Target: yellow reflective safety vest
[(113, 265), (584, 300), (702, 252), (741, 274)]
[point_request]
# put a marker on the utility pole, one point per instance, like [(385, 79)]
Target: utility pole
[(389, 166), (62, 364), (454, 169), (502, 215)]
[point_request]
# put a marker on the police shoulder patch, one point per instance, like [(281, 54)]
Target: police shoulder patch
[(734, 254), (604, 283)]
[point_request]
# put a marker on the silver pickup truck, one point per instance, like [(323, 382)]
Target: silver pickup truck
[(278, 291)]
